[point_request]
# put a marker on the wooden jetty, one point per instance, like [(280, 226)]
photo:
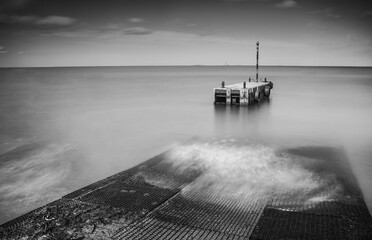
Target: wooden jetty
[(173, 197), (244, 93)]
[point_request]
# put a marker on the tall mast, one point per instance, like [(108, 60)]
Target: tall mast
[(258, 43)]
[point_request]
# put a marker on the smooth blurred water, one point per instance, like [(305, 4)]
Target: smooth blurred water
[(63, 128)]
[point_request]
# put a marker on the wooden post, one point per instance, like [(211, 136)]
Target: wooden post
[(258, 43)]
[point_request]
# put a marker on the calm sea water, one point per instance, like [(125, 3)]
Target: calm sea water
[(63, 128)]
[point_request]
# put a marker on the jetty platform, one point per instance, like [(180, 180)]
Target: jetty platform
[(243, 93), (203, 190)]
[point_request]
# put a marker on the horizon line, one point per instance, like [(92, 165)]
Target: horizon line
[(192, 65)]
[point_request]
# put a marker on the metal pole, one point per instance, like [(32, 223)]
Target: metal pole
[(258, 43)]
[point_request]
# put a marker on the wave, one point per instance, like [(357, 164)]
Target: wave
[(33, 175), (234, 168)]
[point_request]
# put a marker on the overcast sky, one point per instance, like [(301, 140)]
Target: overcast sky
[(185, 32)]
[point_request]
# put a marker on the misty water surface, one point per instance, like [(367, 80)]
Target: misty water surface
[(63, 128)]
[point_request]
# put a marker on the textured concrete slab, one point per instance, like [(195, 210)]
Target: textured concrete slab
[(248, 84), (212, 189)]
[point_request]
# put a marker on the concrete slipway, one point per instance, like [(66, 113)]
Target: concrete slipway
[(212, 189)]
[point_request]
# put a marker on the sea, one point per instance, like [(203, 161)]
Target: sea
[(66, 127)]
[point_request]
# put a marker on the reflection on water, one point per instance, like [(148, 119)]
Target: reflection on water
[(225, 115), (89, 123), (238, 121)]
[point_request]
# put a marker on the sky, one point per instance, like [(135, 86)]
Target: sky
[(44, 33)]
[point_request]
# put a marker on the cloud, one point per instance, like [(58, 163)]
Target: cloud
[(286, 4), (358, 38), (317, 26), (71, 34), (190, 39), (328, 12), (17, 19), (240, 1), (112, 32), (192, 25), (367, 13), (56, 20), (137, 31), (2, 49), (112, 26), (135, 20), (35, 20), (233, 1), (13, 3)]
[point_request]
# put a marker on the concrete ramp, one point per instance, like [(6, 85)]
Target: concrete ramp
[(212, 189)]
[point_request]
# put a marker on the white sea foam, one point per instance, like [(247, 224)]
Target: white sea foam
[(234, 169), (7, 145), (34, 179)]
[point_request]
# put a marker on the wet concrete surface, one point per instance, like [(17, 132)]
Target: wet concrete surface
[(178, 196)]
